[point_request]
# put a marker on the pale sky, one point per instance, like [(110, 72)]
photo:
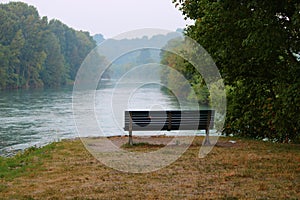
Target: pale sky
[(111, 17)]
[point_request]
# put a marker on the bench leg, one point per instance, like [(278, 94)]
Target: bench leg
[(130, 141), (206, 141)]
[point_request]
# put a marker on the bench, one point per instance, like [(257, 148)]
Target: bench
[(169, 120)]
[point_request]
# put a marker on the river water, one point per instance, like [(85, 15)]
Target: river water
[(34, 117), (41, 116)]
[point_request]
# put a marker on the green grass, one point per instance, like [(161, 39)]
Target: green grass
[(25, 163)]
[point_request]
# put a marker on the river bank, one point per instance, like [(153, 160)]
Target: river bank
[(245, 169)]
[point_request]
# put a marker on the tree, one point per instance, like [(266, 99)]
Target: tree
[(14, 65), (34, 52), (4, 63), (179, 65), (54, 72), (255, 45), (75, 45)]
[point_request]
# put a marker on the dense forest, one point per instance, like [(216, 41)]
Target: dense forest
[(35, 52), (256, 46)]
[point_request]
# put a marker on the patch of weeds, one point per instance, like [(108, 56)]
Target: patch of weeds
[(263, 187), (21, 197), (142, 147), (141, 144), (246, 173), (28, 198), (197, 143), (230, 198), (24, 163), (3, 187)]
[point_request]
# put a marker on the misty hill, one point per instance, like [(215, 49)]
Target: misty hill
[(125, 54)]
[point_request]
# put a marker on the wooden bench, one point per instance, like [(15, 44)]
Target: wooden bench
[(169, 120)]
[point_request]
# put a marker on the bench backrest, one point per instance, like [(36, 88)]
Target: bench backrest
[(169, 120)]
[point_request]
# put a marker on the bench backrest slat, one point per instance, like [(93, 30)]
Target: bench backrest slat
[(169, 120)]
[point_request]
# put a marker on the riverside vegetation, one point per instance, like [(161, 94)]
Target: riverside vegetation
[(255, 45)]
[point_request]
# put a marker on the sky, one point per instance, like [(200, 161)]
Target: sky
[(111, 17)]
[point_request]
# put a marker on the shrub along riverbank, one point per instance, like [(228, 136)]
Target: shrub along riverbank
[(245, 169)]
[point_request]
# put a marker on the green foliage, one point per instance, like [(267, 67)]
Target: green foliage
[(35, 53), (171, 77), (53, 73), (255, 44)]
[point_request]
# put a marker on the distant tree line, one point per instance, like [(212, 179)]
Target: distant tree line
[(256, 46), (35, 52)]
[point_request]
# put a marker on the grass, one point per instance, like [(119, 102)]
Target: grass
[(23, 163), (248, 169)]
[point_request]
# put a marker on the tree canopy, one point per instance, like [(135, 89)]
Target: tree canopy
[(178, 64), (35, 52), (256, 45)]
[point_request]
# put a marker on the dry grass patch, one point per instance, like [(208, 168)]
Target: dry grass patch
[(245, 170)]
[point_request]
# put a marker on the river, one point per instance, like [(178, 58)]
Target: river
[(34, 118), (41, 116)]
